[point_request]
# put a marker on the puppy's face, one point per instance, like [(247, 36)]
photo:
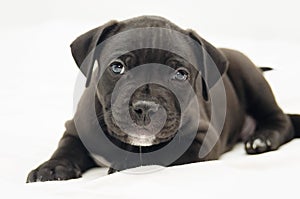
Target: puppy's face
[(154, 110), (136, 109)]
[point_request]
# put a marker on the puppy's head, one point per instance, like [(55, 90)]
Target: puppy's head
[(139, 86)]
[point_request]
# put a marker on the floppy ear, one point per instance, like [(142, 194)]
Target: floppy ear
[(211, 57), (85, 44)]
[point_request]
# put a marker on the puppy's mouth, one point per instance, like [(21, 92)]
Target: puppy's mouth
[(155, 133), (145, 137), (160, 130)]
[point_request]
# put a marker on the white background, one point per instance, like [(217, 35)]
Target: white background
[(38, 76)]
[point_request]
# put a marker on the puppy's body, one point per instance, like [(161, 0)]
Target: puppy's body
[(248, 95)]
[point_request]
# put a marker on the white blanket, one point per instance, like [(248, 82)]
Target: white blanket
[(236, 175)]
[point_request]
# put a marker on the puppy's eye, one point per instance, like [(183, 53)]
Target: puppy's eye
[(117, 67), (181, 74)]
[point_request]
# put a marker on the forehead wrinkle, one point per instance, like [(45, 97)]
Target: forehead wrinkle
[(158, 38)]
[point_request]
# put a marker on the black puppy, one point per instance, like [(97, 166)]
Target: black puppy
[(147, 117)]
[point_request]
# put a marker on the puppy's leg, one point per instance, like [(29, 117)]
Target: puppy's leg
[(69, 161), (274, 128), (192, 154)]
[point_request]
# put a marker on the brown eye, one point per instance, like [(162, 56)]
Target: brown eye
[(181, 74), (117, 67)]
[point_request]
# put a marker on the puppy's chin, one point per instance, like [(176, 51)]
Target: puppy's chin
[(141, 140)]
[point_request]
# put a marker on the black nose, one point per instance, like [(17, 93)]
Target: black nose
[(142, 111)]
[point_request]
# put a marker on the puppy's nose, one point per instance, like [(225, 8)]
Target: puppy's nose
[(143, 110)]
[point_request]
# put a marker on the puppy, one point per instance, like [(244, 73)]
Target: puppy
[(162, 95)]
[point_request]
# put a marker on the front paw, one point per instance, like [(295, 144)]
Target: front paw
[(54, 170), (263, 141)]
